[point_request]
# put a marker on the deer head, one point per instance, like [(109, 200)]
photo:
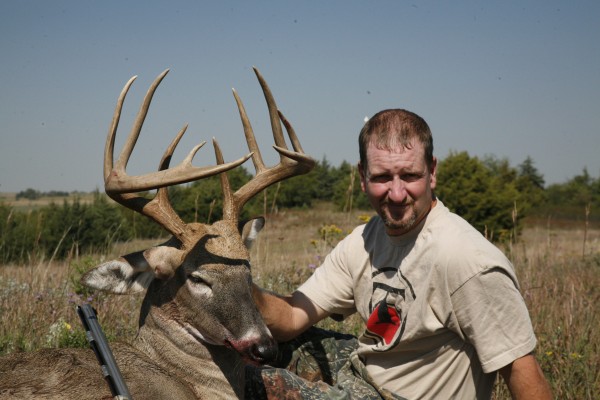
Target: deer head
[(198, 282)]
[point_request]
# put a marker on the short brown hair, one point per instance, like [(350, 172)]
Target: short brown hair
[(390, 128)]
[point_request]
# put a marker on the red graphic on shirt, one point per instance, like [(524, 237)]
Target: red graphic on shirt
[(384, 322)]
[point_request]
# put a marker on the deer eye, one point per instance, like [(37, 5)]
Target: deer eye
[(199, 280)]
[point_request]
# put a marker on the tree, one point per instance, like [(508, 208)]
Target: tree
[(569, 199), (347, 193), (530, 185), (529, 176), (483, 193), (29, 194)]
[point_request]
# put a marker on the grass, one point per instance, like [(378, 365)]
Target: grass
[(560, 285)]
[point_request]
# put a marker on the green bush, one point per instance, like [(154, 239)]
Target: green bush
[(484, 194)]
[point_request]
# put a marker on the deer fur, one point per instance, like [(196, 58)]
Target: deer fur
[(185, 349)]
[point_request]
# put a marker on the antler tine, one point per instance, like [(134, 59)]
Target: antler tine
[(291, 163), (291, 133), (160, 208), (273, 113), (121, 187), (136, 129), (116, 178), (257, 160), (229, 209), (110, 140)]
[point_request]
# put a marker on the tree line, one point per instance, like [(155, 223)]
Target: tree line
[(32, 194), (491, 194)]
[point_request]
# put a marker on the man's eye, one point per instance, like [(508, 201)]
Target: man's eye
[(410, 177), (379, 178)]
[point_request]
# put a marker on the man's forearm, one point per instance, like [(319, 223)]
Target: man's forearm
[(287, 316), (525, 379), (276, 312)]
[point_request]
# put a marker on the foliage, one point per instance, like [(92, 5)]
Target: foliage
[(560, 287), (32, 194), (29, 194), (58, 231), (63, 334), (530, 184), (572, 197), (76, 227), (19, 234), (482, 192), (77, 269), (491, 194), (347, 193)]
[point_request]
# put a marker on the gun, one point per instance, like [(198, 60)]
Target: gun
[(105, 357)]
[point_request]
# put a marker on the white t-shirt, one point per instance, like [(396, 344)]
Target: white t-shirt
[(441, 304)]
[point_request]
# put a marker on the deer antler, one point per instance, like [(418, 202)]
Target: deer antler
[(291, 163), (121, 187)]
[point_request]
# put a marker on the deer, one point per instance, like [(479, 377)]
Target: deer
[(198, 323)]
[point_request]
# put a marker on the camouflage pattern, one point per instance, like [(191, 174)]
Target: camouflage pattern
[(318, 364)]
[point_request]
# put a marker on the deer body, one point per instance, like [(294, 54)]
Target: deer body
[(198, 325)]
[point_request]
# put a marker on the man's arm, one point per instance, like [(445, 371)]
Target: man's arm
[(525, 379), (287, 316)]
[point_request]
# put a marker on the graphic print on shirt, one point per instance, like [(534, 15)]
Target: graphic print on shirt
[(392, 294)]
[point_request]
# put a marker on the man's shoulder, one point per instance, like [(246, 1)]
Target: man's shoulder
[(462, 248), (446, 227)]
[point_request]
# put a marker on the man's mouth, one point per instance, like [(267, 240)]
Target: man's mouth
[(397, 208)]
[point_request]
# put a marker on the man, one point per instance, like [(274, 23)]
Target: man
[(441, 304)]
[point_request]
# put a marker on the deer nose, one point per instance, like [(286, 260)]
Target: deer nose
[(264, 352)]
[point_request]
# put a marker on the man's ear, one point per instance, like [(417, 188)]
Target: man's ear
[(363, 178), (250, 229), (433, 174)]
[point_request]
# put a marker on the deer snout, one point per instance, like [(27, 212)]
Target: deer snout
[(256, 352), (262, 353)]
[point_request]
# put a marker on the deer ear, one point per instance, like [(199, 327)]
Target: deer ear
[(118, 276), (134, 272), (249, 230)]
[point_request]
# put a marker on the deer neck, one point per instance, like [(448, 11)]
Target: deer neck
[(213, 372)]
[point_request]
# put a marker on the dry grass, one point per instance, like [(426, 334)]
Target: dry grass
[(560, 286), (23, 205)]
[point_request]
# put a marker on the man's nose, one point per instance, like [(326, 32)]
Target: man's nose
[(397, 190)]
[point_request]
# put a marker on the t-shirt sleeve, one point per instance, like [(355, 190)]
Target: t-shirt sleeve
[(494, 318), (331, 285)]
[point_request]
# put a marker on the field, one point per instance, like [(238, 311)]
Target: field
[(23, 204), (560, 284)]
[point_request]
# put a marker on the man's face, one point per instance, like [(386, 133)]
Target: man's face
[(399, 185)]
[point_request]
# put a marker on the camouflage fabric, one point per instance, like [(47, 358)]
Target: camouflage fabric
[(319, 364)]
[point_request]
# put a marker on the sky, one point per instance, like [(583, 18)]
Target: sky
[(512, 79)]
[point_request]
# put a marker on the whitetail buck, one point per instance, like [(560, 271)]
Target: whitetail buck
[(198, 322)]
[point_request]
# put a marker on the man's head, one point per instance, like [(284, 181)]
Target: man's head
[(397, 168)]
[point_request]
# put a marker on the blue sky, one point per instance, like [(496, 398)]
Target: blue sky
[(511, 79)]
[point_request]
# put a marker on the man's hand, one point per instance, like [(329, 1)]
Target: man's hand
[(525, 379)]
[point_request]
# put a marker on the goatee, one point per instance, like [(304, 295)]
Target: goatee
[(402, 224)]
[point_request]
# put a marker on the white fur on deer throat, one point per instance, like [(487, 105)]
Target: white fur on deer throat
[(200, 337)]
